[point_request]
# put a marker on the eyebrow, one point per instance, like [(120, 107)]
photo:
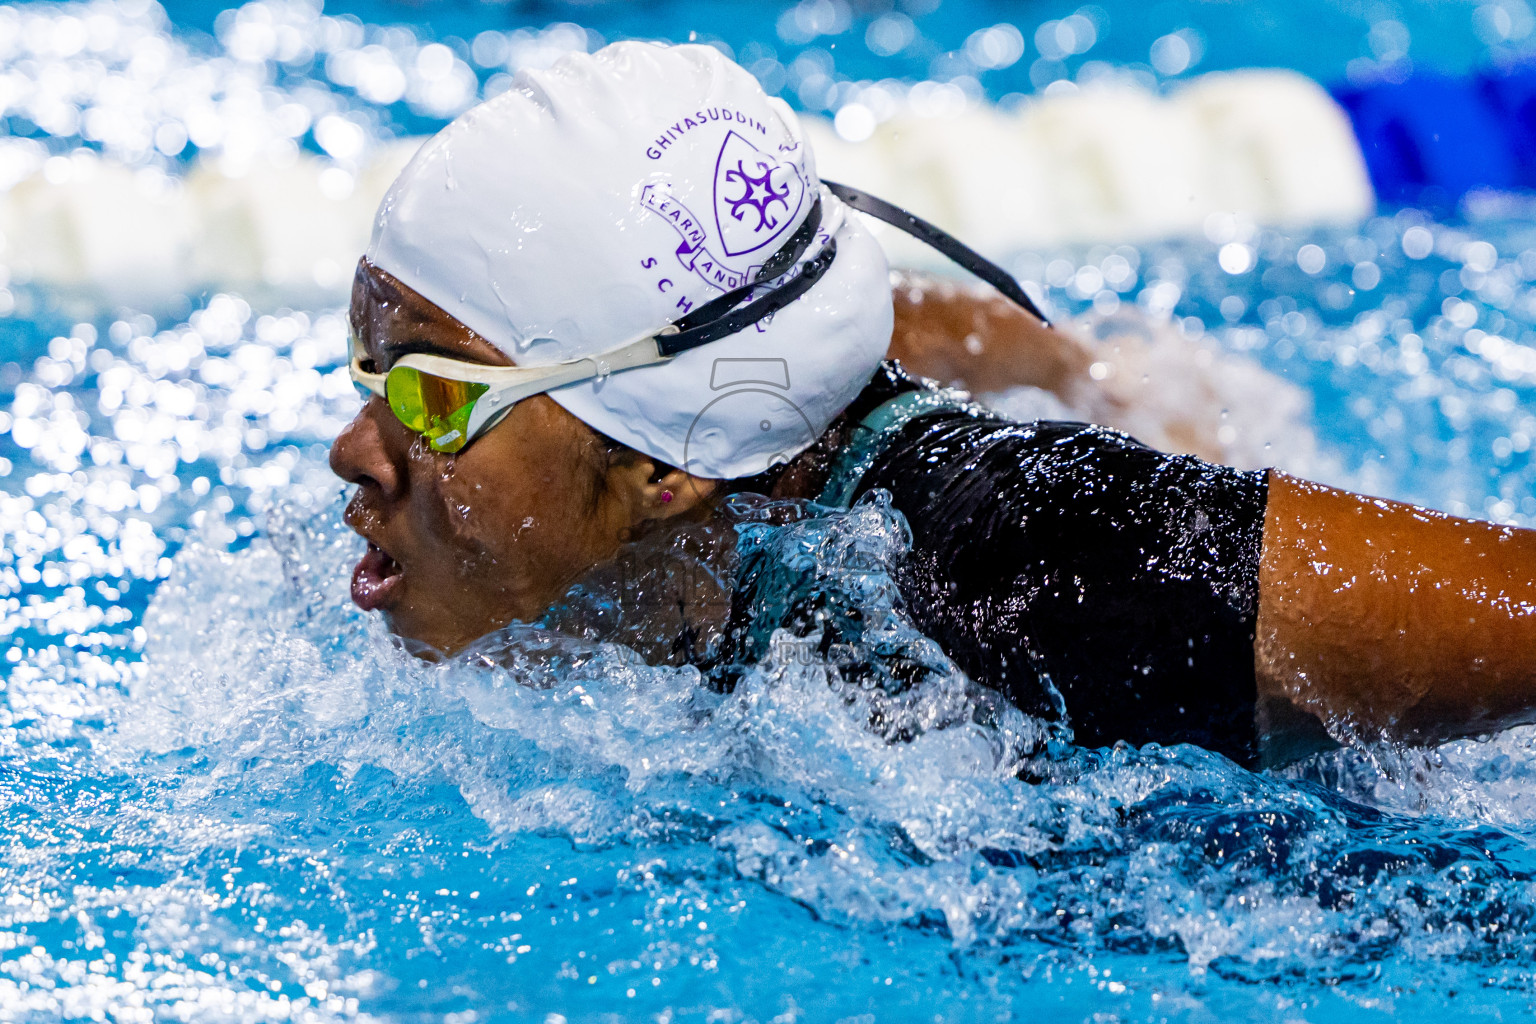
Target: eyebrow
[(407, 346)]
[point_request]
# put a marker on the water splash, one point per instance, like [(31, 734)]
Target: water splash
[(244, 801), (318, 810)]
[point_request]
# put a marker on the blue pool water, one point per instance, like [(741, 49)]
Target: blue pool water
[(226, 795)]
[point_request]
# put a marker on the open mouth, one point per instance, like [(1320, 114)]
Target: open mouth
[(375, 579)]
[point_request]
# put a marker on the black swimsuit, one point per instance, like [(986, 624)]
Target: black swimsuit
[(1072, 553)]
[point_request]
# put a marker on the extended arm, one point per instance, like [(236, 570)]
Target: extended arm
[(1386, 620)]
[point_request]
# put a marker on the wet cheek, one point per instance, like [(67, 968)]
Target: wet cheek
[(488, 521), (439, 515)]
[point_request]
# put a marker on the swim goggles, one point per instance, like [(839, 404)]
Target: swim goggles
[(450, 402)]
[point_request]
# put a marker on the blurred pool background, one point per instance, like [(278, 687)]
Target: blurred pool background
[(224, 795)]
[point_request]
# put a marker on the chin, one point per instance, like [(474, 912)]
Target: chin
[(432, 638), (421, 639)]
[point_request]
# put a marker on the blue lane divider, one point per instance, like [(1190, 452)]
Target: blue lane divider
[(1429, 140), (1512, 97)]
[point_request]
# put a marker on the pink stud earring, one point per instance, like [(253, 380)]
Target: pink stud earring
[(666, 496)]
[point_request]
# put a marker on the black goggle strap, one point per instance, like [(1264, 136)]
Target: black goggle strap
[(720, 316), (939, 239), (754, 311)]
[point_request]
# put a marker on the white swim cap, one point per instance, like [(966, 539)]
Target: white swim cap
[(608, 196)]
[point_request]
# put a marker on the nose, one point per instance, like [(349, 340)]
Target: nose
[(361, 452)]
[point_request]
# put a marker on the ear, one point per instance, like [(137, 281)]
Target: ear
[(655, 492)]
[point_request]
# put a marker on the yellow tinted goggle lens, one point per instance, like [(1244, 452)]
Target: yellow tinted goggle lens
[(435, 407)]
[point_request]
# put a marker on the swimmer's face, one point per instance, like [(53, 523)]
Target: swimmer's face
[(460, 545)]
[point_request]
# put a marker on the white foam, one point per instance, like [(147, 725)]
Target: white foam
[(1113, 162), (1179, 393), (1276, 148), (291, 229)]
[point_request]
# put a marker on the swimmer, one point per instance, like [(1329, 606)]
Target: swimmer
[(598, 304)]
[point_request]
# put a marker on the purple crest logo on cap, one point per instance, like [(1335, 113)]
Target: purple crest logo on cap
[(756, 196)]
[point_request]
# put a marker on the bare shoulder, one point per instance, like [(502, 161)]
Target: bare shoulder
[(960, 332)]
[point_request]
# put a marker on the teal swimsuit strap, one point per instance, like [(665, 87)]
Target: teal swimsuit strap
[(875, 432)]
